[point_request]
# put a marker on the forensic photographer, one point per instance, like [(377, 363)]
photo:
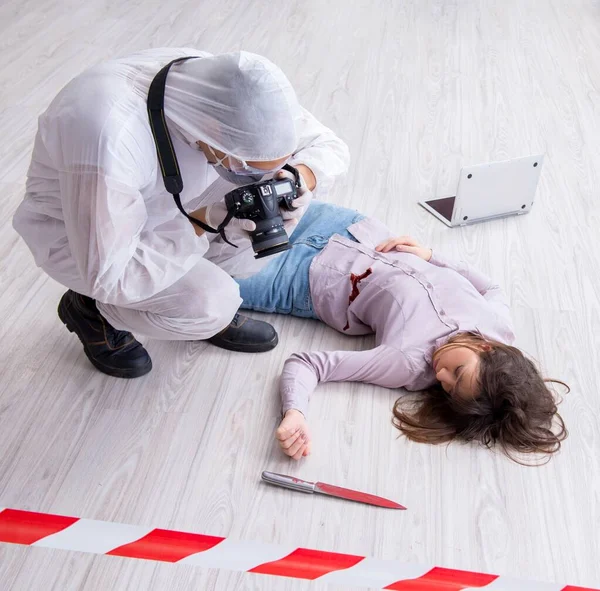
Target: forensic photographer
[(97, 213)]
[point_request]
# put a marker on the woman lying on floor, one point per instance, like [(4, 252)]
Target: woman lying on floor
[(440, 327)]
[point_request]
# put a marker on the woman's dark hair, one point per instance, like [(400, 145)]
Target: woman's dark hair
[(514, 409)]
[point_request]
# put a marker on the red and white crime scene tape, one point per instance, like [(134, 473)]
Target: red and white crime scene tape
[(132, 541)]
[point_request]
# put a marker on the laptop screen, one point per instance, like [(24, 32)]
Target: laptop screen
[(444, 206)]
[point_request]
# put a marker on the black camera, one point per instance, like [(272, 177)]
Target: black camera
[(260, 202)]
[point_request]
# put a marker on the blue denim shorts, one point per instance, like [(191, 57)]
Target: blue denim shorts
[(282, 286)]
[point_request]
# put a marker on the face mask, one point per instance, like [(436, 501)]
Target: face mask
[(237, 179), (240, 172)]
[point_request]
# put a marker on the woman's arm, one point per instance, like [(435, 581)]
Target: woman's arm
[(383, 366), (490, 290)]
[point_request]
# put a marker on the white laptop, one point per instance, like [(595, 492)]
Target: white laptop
[(489, 191)]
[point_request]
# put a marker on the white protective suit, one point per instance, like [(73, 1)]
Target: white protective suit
[(96, 215)]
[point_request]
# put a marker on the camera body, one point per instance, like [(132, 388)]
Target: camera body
[(260, 202)]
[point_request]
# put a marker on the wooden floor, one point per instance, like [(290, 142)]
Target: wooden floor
[(417, 89)]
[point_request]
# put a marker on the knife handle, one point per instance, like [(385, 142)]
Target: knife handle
[(289, 482)]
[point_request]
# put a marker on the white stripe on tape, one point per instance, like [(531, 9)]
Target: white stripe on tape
[(373, 572), (510, 584), (237, 555), (98, 537)]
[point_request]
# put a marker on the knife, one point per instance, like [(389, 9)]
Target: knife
[(328, 489)]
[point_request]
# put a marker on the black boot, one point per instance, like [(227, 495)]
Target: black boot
[(246, 335), (114, 352)]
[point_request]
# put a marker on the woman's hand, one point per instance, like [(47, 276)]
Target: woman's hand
[(293, 435), (406, 244)]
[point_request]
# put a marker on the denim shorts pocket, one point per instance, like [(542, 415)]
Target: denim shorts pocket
[(318, 242)]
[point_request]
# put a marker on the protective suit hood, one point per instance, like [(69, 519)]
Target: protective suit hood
[(239, 103)]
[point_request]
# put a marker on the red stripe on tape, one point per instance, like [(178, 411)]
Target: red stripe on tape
[(307, 564), (166, 545), (443, 579), (27, 527)]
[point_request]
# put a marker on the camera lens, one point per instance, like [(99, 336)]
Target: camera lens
[(269, 237)]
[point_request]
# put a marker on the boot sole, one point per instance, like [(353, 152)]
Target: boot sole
[(115, 372), (249, 347)]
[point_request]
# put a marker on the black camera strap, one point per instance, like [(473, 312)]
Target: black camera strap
[(165, 150)]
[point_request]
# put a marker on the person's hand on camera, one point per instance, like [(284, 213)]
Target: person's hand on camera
[(405, 244), (293, 435), (301, 202), (215, 213)]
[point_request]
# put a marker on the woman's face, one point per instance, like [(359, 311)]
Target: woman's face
[(457, 370)]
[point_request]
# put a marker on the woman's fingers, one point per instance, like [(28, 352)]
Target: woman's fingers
[(385, 246), (293, 435), (405, 248), (286, 441), (297, 447), (283, 433), (307, 449), (392, 243), (300, 453)]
